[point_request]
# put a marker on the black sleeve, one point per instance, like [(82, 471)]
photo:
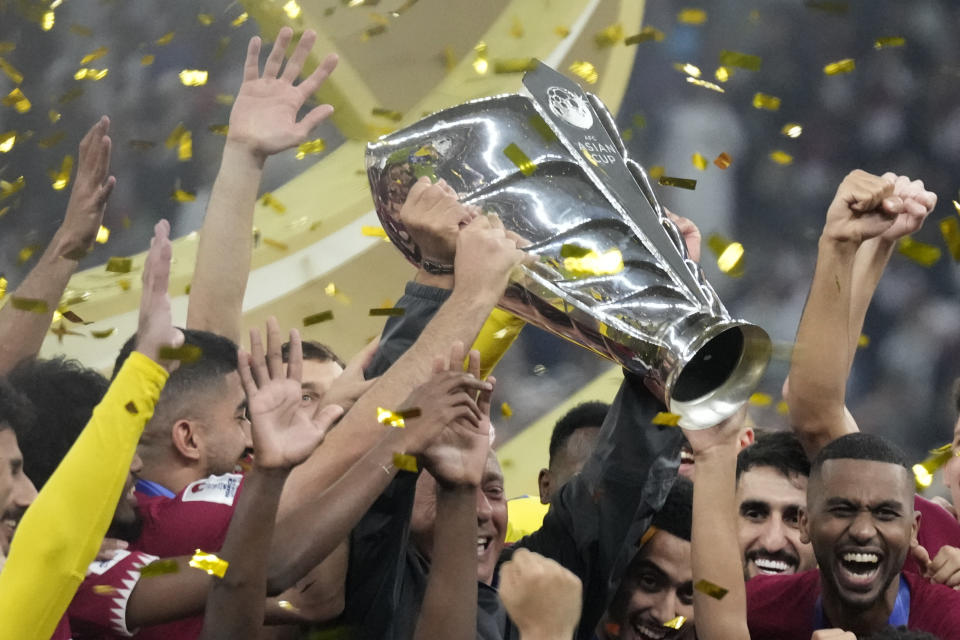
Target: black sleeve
[(612, 500), (378, 542)]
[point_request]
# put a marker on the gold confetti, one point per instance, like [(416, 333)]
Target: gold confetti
[(627, 135), (103, 234), (792, 130), (193, 77), (310, 147), (124, 283), (96, 54), (239, 20), (81, 30), (103, 589), (396, 418), (829, 6), (159, 568), (17, 100), (405, 462), (33, 305), (7, 189), (317, 318), (892, 41), (518, 157), (666, 419), (224, 99), (292, 9), (330, 289), (184, 354), (863, 340), (514, 65), (840, 66), (11, 71), (210, 563), (563, 32), (105, 333), (699, 161), (582, 262), (480, 63), (639, 121), (923, 254), (131, 407), (287, 605), (692, 16), (646, 34), (179, 195), (656, 171), (712, 590), (370, 32), (386, 311), (764, 101), (54, 116), (585, 71), (956, 205), (541, 127), (90, 74), (276, 244), (687, 68), (759, 399), (47, 21), (268, 200), (7, 140), (705, 84), (61, 178), (782, 408), (119, 265), (3, 286), (70, 95), (922, 477), (609, 36), (729, 254), (389, 114), (723, 160), (185, 147), (165, 39), (741, 60), (722, 74), (516, 29), (373, 232), (505, 410), (682, 183), (205, 19), (219, 129), (675, 623), (60, 330), (147, 60), (950, 229), (781, 157), (52, 140)]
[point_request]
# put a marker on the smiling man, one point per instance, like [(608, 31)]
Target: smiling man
[(861, 522)]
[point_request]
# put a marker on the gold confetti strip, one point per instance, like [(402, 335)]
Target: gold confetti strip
[(516, 29), (210, 563), (103, 234), (627, 134), (105, 333), (17, 100), (585, 71), (292, 9), (52, 140), (759, 399), (373, 232), (729, 254), (675, 623), (922, 477), (33, 305), (219, 129), (506, 410), (131, 407), (276, 244), (60, 178), (656, 171), (950, 229), (666, 419), (722, 74), (54, 116), (692, 16), (782, 408), (723, 160), (742, 60), (310, 147), (124, 283), (923, 254), (705, 84), (193, 77), (830, 6), (593, 263), (7, 140), (7, 189), (405, 462), (956, 205), (765, 101), (119, 265), (541, 127), (317, 318), (185, 147), (330, 289), (3, 286), (563, 32), (480, 63), (699, 161), (268, 200), (781, 157), (396, 418), (712, 590), (514, 65), (840, 66), (103, 589), (81, 30), (239, 20), (646, 34), (287, 605), (47, 21), (389, 114), (518, 157), (179, 195), (26, 253), (371, 32), (60, 330), (386, 311), (90, 74), (791, 130), (185, 353), (174, 138), (863, 340), (609, 36), (687, 68), (205, 19), (11, 71), (96, 54), (892, 41), (165, 39), (682, 183)]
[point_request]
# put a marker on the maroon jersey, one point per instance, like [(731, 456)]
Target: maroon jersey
[(937, 528), (99, 608), (782, 607)]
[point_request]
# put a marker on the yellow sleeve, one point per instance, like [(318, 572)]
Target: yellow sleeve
[(495, 337), (61, 532)]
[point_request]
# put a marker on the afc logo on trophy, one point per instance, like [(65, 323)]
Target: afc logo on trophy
[(599, 152)]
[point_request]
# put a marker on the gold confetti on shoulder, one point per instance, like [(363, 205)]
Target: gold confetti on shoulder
[(666, 419)]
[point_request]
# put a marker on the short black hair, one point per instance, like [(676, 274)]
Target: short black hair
[(63, 393), (860, 446), (780, 450), (676, 515), (586, 414), (313, 350), (900, 633), (16, 412)]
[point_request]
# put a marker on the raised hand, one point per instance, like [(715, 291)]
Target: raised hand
[(943, 569), (155, 328), (864, 207), (92, 187), (917, 205), (433, 217), (541, 596), (284, 432), (486, 255), (264, 115)]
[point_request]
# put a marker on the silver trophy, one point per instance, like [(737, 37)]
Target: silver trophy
[(613, 274)]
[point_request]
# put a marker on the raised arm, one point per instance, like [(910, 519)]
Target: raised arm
[(263, 122), (864, 208), (22, 331), (542, 598)]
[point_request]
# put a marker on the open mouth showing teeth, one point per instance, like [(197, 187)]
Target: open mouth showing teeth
[(646, 631), (859, 569), (768, 566), (483, 543), (686, 456)]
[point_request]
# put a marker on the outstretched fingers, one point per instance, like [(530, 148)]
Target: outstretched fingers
[(319, 75), (295, 357), (275, 59), (274, 342), (295, 64), (251, 66)]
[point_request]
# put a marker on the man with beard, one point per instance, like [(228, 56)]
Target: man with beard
[(16, 490)]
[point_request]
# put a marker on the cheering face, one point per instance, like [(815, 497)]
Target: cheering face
[(769, 525), (861, 522), (16, 490)]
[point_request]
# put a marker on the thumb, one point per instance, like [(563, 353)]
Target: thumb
[(325, 418), (921, 556)]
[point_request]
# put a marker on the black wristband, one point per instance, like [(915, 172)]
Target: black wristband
[(436, 268)]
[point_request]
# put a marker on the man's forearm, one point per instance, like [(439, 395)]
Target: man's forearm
[(449, 607), (226, 246), (872, 258)]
